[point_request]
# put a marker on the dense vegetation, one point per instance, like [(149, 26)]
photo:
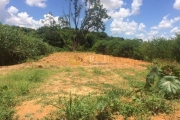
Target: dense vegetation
[(19, 44)]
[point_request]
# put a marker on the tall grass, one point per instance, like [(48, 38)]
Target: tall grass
[(112, 103)]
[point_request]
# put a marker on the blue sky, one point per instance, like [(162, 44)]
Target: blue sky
[(143, 19)]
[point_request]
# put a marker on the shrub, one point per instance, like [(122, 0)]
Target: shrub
[(16, 47), (164, 82), (158, 48), (176, 48), (125, 48), (6, 103)]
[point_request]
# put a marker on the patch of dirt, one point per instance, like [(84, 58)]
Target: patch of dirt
[(89, 59), (175, 116), (73, 59), (31, 110)]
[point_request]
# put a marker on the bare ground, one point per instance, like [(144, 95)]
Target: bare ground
[(59, 84)]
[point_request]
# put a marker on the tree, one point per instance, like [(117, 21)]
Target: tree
[(93, 16)]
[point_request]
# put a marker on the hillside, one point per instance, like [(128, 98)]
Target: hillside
[(80, 74)]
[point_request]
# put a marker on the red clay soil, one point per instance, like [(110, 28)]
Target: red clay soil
[(30, 110), (73, 59), (89, 59)]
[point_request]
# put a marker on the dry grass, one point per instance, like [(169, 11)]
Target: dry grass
[(80, 74)]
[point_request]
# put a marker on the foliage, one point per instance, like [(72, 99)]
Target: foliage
[(160, 48), (103, 107), (157, 48), (93, 12), (164, 81), (78, 108), (51, 35), (125, 48), (6, 103), (176, 48), (16, 47)]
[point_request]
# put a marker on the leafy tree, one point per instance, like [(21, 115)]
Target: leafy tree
[(50, 35), (94, 13)]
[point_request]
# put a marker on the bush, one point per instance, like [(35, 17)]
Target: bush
[(16, 47), (6, 103), (176, 48), (125, 48), (100, 47)]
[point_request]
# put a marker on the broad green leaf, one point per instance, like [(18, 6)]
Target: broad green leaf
[(169, 84)]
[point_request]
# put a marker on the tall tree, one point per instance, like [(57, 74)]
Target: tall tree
[(81, 17)]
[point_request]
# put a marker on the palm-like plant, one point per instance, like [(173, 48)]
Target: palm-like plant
[(166, 82)]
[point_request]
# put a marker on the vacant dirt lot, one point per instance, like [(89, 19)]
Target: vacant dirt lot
[(73, 78)]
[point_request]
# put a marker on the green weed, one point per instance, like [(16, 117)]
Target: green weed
[(97, 72), (78, 108), (18, 83)]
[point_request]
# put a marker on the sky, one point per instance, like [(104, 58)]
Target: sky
[(143, 19)]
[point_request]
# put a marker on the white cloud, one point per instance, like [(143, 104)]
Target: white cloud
[(122, 13), (12, 17), (141, 36), (21, 19), (12, 10), (48, 19), (38, 3), (119, 13), (176, 19), (136, 6), (175, 30), (112, 4), (153, 33), (3, 4), (3, 12), (141, 27), (173, 36), (154, 28), (166, 23), (177, 4), (128, 28)]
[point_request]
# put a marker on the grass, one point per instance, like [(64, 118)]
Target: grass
[(106, 93), (104, 106), (97, 72), (115, 99), (18, 83)]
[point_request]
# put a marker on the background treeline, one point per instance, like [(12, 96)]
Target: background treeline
[(157, 48), (18, 44)]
